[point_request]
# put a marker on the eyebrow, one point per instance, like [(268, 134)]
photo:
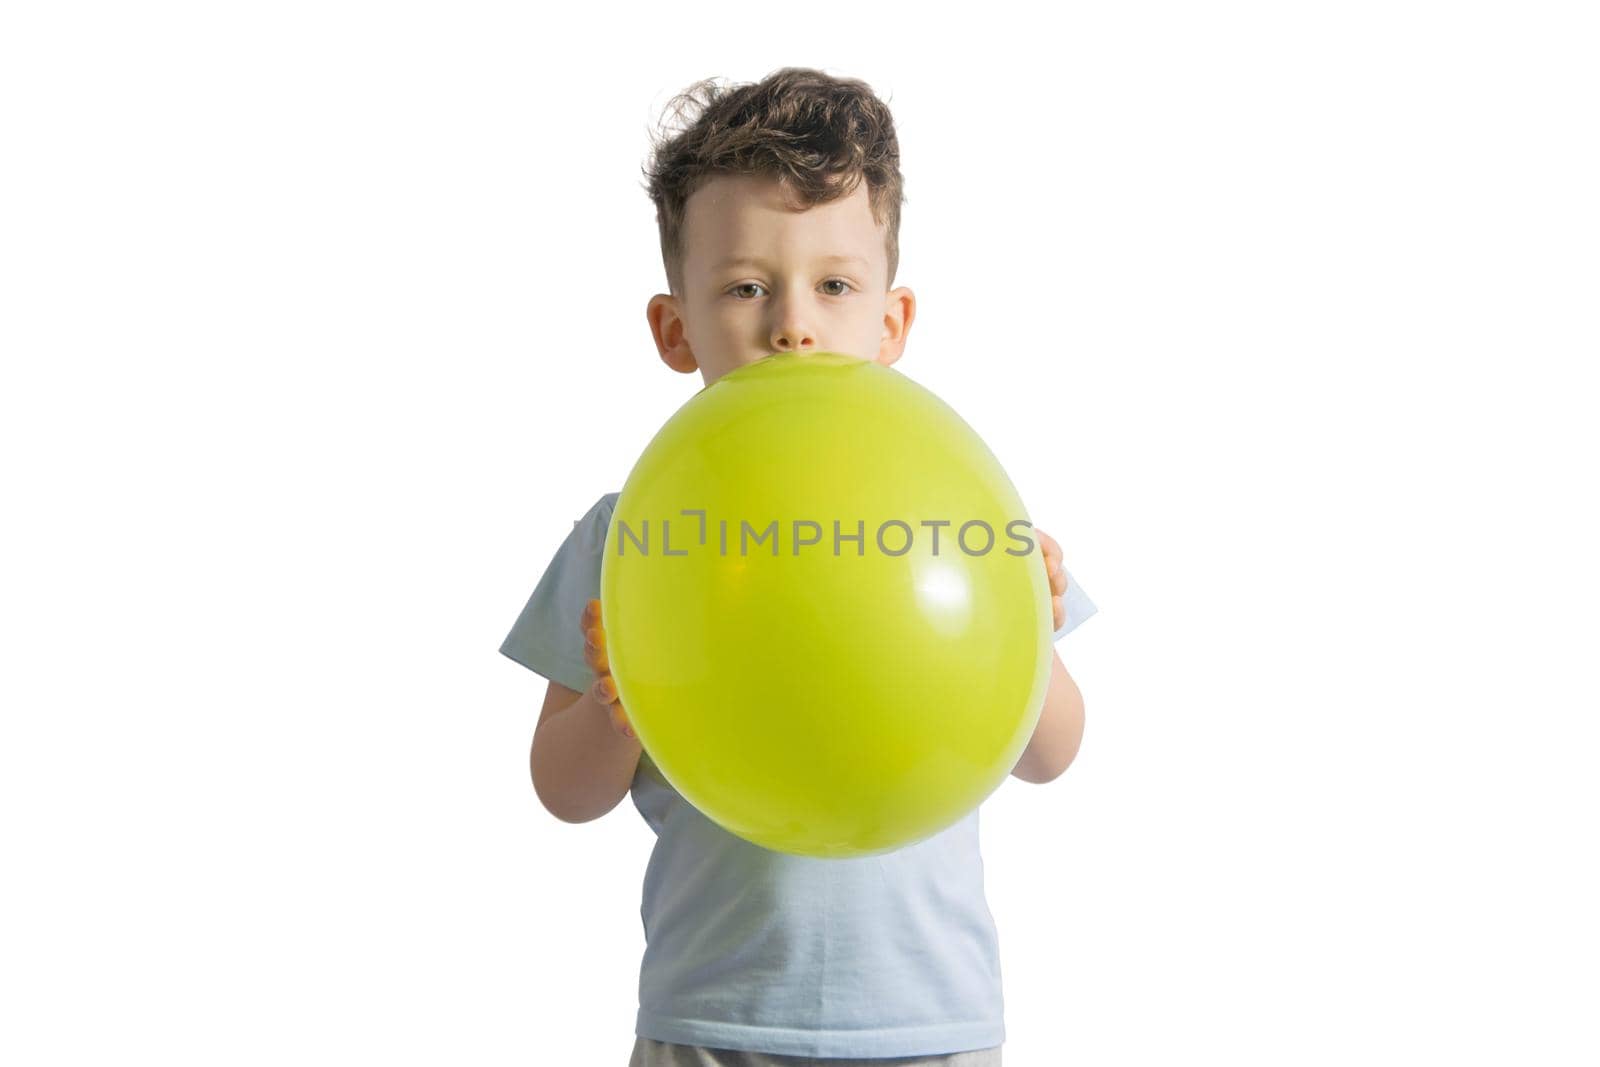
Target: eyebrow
[(737, 261)]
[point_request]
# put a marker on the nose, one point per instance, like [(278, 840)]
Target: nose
[(791, 331)]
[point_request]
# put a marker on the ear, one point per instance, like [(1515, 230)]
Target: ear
[(666, 326), (899, 308)]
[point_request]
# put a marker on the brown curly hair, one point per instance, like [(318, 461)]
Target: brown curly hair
[(817, 134)]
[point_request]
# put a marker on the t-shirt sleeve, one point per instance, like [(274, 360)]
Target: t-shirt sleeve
[(1077, 606), (546, 637)]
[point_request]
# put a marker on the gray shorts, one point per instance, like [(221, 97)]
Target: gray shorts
[(647, 1052)]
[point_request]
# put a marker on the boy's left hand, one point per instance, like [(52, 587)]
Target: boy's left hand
[(1058, 577)]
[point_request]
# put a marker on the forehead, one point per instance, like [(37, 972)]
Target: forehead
[(748, 215)]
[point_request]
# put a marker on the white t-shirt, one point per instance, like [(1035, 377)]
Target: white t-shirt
[(747, 948)]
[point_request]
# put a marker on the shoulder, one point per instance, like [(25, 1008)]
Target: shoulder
[(591, 529)]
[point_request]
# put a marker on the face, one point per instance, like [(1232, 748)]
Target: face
[(762, 276)]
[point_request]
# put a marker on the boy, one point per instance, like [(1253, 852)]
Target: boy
[(779, 216)]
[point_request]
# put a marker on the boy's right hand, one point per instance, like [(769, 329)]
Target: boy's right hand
[(594, 654)]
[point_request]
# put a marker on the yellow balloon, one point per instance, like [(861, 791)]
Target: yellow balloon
[(825, 610)]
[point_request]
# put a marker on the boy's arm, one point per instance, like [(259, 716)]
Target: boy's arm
[(1059, 731), (582, 766), (1056, 738)]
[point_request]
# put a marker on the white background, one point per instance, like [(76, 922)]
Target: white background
[(322, 322)]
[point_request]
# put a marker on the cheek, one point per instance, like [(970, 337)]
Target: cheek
[(735, 320), (716, 318), (868, 322), (731, 325)]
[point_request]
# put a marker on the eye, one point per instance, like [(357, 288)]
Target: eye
[(844, 286), (736, 290)]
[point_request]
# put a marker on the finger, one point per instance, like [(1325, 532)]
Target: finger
[(591, 613), (619, 719), (1058, 613), (1047, 544), (594, 651), (1058, 580), (605, 690)]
